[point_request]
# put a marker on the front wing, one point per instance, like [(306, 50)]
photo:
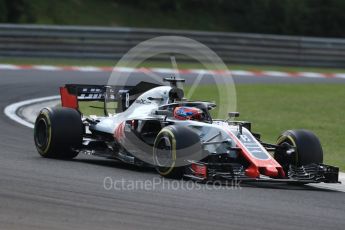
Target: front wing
[(313, 173)]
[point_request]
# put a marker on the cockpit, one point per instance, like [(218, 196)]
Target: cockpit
[(187, 110)]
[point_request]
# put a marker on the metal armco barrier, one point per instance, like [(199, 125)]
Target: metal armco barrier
[(112, 42)]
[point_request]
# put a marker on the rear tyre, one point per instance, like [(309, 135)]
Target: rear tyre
[(308, 148), (173, 147), (58, 132)]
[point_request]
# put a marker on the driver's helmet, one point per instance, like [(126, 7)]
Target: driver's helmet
[(188, 113)]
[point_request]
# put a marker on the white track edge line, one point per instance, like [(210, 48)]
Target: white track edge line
[(11, 110)]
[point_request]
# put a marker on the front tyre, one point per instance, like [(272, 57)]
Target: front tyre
[(173, 147), (307, 146), (58, 132)]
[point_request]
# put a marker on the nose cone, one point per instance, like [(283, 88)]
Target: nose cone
[(254, 172)]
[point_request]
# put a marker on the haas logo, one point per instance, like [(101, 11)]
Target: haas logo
[(120, 132)]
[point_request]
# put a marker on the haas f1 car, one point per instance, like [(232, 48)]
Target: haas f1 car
[(154, 125)]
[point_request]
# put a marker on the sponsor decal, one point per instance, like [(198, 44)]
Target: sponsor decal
[(120, 132), (91, 93), (143, 102)]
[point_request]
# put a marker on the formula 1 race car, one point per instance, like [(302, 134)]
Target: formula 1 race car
[(154, 125)]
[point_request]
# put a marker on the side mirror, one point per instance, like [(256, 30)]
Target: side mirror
[(234, 114)]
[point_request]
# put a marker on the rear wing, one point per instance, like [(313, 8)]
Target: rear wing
[(124, 96)]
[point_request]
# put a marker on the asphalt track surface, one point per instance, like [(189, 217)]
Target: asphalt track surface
[(38, 193)]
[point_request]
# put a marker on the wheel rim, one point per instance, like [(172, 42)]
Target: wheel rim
[(41, 133), (288, 140), (163, 153)]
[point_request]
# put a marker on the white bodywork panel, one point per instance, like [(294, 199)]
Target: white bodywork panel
[(145, 105), (142, 108)]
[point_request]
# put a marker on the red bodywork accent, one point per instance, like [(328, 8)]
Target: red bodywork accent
[(199, 170), (68, 100), (252, 171), (269, 167)]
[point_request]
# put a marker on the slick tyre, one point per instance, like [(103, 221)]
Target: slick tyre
[(173, 147), (308, 148), (58, 132)]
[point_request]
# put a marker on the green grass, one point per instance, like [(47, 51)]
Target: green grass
[(275, 108), (151, 64), (96, 107)]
